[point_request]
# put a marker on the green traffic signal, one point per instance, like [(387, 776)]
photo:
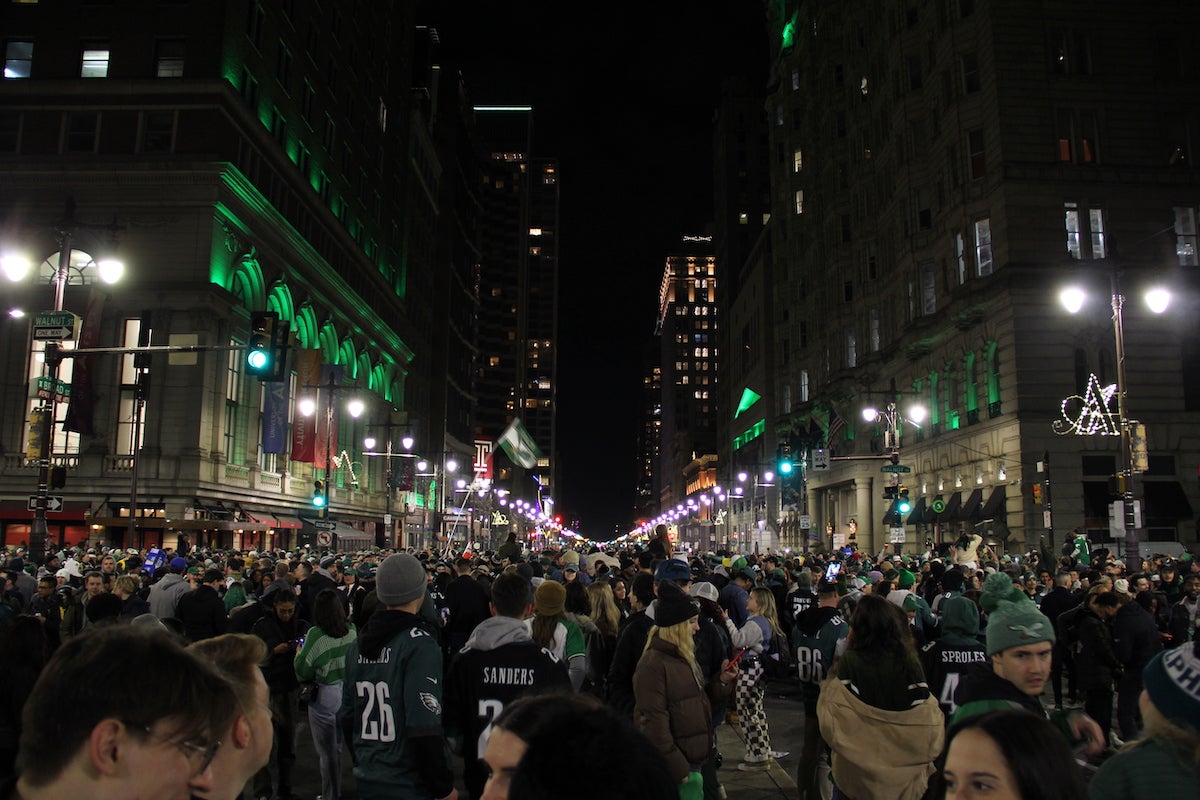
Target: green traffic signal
[(785, 468), (260, 345), (903, 504), (318, 495)]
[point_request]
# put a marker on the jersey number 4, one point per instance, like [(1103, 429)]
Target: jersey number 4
[(378, 723)]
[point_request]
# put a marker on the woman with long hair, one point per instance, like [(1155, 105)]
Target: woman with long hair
[(603, 642), (660, 546), (620, 590), (754, 638), (1010, 754), (551, 629), (672, 703), (322, 658), (878, 684)]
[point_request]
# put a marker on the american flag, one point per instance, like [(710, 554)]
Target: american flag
[(836, 425)]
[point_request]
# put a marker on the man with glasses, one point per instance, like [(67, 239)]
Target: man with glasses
[(152, 732), (247, 741)]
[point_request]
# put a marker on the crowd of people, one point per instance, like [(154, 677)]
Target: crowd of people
[(930, 676)]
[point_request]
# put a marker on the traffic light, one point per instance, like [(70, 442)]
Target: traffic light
[(266, 348), (58, 477), (891, 492), (903, 504), (318, 495), (785, 459)]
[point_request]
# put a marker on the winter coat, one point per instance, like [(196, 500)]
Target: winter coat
[(164, 595), (1096, 665), (202, 613), (879, 753), (673, 709), (1135, 637)]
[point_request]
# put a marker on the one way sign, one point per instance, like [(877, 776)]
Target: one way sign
[(54, 503)]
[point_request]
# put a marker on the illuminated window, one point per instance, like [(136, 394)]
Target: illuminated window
[(797, 160), (1185, 235), (799, 201), (983, 247), (94, 62), (168, 58), (1084, 242), (18, 59), (743, 218), (535, 231)]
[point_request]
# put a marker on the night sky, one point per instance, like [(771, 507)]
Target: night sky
[(625, 102)]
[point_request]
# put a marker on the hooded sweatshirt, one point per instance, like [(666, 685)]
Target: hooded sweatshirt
[(499, 663), (945, 659)]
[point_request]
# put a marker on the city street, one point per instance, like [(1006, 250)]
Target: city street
[(784, 716)]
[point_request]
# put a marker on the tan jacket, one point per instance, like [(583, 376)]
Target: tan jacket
[(878, 754)]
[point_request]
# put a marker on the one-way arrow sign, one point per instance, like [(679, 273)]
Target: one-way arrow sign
[(52, 503)]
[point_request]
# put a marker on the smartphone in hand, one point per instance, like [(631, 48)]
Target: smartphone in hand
[(733, 661)]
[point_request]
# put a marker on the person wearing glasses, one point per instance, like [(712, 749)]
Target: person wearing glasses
[(248, 740), (152, 732)]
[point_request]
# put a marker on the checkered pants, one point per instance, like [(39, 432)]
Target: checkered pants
[(748, 697)]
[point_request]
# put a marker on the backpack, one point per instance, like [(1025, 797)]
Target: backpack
[(778, 661)]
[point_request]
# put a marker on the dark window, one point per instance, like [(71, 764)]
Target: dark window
[(254, 25), (82, 127), (157, 128), (10, 131), (168, 58), (283, 66), (914, 72), (975, 154), (970, 68), (1099, 465)]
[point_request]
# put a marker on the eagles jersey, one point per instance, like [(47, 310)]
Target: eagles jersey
[(944, 661), (481, 683), (392, 697), (815, 639)]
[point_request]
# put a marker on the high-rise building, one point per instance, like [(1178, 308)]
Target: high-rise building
[(687, 328), (518, 317), (940, 171)]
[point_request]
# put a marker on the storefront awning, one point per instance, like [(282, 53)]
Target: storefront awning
[(71, 511), (969, 510), (891, 516), (996, 506), (1165, 500), (158, 523), (953, 503), (288, 522), (917, 514)]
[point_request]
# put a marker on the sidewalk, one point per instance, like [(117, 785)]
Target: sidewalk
[(772, 783)]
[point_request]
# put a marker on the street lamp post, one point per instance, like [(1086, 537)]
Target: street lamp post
[(1157, 299), (389, 483), (307, 407), (16, 266)]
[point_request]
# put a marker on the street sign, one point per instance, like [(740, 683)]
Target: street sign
[(896, 535), (55, 326), (895, 468), (47, 386), (324, 524), (324, 538), (938, 505), (805, 522), (53, 503), (820, 459)]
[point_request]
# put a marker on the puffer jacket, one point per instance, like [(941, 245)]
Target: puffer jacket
[(672, 709)]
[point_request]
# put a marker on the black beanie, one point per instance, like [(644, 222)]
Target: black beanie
[(952, 580), (673, 606)]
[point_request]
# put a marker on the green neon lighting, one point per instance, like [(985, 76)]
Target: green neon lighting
[(752, 433), (789, 32), (749, 398)]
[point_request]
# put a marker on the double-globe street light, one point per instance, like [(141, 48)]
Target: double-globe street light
[(1157, 299), (308, 406), (71, 263)]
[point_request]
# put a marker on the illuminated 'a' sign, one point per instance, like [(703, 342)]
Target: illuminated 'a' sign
[(1090, 414)]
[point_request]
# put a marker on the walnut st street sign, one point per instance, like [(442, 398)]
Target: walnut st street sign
[(55, 326)]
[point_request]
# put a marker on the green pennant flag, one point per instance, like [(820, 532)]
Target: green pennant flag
[(519, 445)]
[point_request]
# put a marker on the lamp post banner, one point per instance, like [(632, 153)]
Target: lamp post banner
[(275, 417), (304, 429), (83, 400), (327, 417)]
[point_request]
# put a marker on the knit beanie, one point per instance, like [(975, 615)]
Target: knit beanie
[(673, 606), (1016, 623), (399, 580), (952, 580), (548, 599), (906, 579), (1172, 680), (999, 586)]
